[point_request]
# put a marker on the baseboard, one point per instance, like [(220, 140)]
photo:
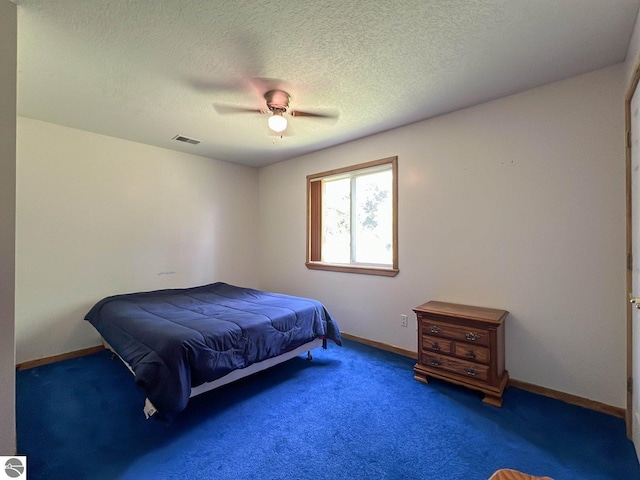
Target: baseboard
[(568, 398), (381, 346), (529, 387), (58, 358)]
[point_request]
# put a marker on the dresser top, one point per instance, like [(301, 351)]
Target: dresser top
[(490, 315)]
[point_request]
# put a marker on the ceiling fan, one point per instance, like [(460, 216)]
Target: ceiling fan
[(277, 104)]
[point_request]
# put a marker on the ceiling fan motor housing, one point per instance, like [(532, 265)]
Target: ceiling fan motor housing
[(277, 100)]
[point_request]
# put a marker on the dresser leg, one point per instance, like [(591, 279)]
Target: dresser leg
[(420, 378), (492, 400)]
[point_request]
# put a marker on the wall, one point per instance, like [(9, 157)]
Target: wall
[(633, 53), (8, 48), (516, 204), (98, 216)]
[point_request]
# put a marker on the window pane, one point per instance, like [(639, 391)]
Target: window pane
[(373, 234), (336, 225)]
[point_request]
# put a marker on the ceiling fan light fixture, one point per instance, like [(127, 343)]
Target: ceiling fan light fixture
[(277, 122)]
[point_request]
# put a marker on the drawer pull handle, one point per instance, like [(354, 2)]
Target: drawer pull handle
[(472, 372), (472, 337), (435, 362), (471, 354), (435, 329), (435, 346)]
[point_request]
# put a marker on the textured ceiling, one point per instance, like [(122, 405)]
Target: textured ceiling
[(148, 70)]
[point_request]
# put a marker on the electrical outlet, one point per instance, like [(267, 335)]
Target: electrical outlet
[(404, 321)]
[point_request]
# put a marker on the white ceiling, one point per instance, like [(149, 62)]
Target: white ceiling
[(148, 70)]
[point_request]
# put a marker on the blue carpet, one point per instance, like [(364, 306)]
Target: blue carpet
[(353, 412)]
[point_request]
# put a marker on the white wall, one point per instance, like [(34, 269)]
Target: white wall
[(98, 216), (516, 204), (633, 53), (8, 46)]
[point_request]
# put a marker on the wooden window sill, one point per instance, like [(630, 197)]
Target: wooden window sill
[(362, 269)]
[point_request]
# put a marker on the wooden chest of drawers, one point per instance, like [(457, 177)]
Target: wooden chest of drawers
[(463, 345)]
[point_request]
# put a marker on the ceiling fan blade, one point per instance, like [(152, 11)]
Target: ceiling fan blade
[(299, 113), (226, 109), (208, 86)]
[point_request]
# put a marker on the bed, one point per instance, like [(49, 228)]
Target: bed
[(182, 342)]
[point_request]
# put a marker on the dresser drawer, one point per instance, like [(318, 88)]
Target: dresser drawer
[(455, 332), (460, 367), (474, 353), (435, 344)]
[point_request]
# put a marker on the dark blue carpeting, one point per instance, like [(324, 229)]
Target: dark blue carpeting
[(353, 412)]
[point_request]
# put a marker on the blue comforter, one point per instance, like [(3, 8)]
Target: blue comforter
[(178, 339)]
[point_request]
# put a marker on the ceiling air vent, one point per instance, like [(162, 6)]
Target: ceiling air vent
[(182, 138)]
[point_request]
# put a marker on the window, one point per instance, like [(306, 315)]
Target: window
[(352, 219)]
